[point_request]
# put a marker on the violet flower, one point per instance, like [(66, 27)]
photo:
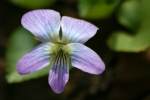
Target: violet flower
[(61, 48)]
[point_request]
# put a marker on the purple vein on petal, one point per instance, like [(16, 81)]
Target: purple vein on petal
[(59, 73)]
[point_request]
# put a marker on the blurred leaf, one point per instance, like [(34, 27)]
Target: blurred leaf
[(95, 9), (129, 14), (20, 43), (33, 3), (121, 41)]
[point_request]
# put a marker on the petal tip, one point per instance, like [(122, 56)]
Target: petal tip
[(55, 88), (101, 69), (58, 91), (32, 12), (20, 69)]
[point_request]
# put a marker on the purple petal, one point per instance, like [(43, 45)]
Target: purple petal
[(77, 30), (59, 74), (43, 23), (86, 59), (35, 60)]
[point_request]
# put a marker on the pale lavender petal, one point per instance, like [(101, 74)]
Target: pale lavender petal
[(43, 23), (35, 60), (76, 30), (86, 59), (59, 74)]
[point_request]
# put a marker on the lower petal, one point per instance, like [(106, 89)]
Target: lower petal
[(85, 59), (59, 74)]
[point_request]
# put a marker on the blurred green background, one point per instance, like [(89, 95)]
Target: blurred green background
[(123, 43)]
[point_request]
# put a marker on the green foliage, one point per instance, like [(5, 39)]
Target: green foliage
[(33, 3), (139, 41), (129, 14), (121, 41), (20, 43), (94, 9)]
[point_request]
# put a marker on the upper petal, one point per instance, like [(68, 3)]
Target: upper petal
[(43, 23), (59, 74), (86, 59), (76, 30), (35, 60)]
